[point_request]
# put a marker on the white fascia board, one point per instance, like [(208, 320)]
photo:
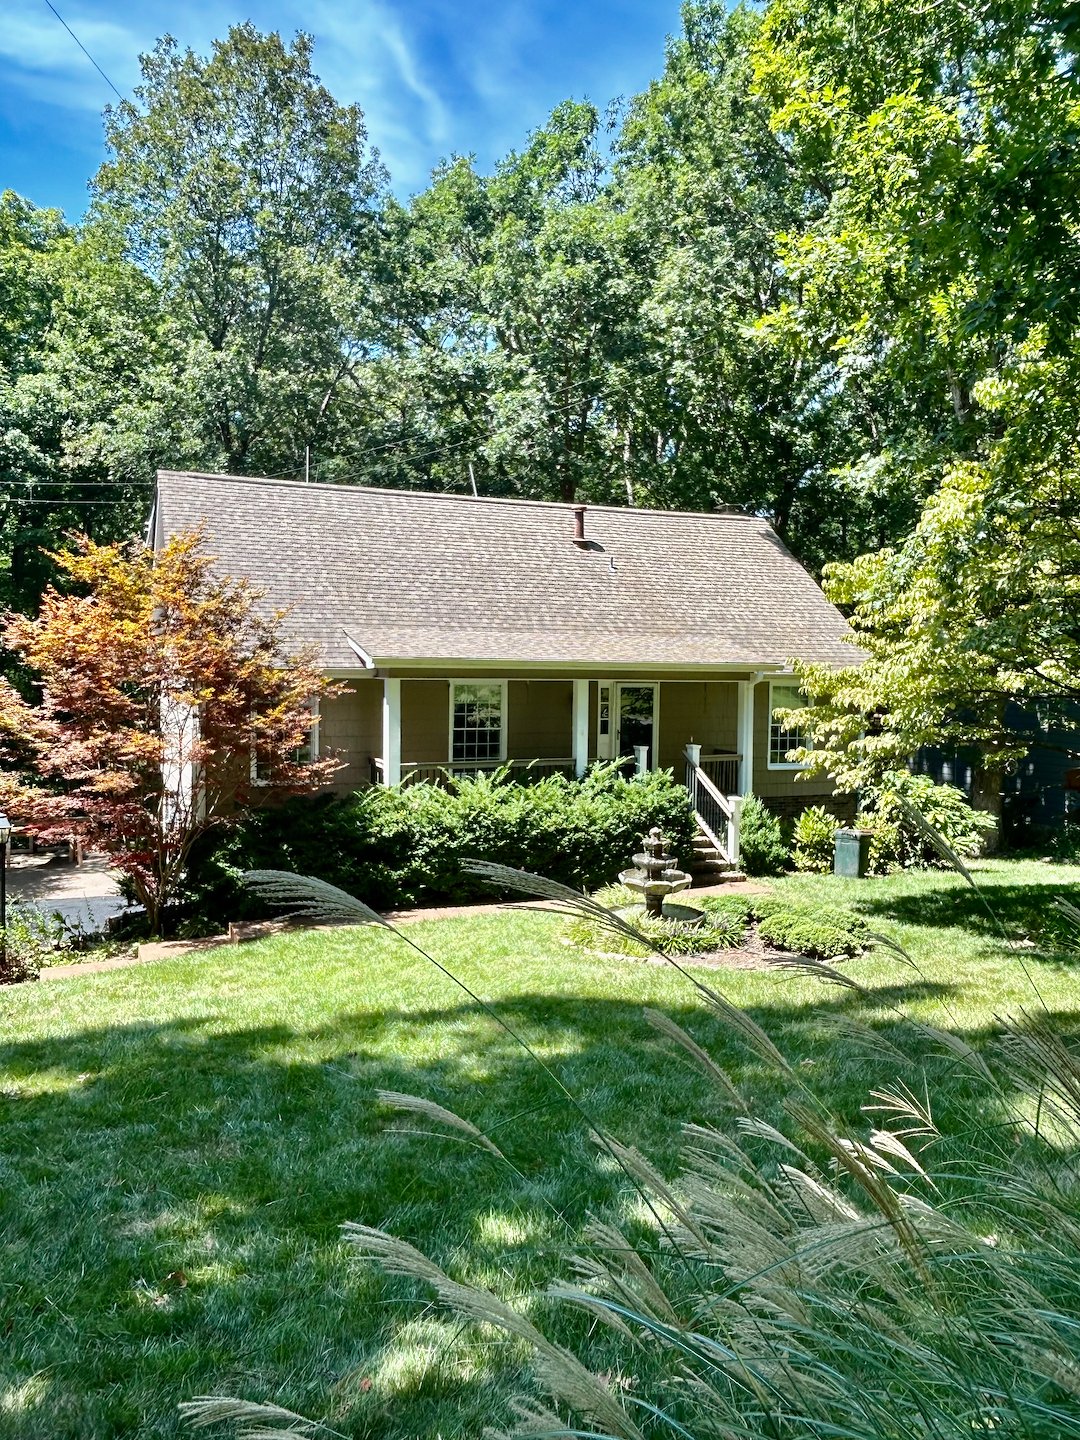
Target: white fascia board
[(558, 668), (359, 651)]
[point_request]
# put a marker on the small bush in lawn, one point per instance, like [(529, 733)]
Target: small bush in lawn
[(762, 847), (814, 840), (723, 908), (897, 841), (821, 931), (30, 939), (396, 848)]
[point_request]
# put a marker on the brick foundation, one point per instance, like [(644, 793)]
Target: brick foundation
[(790, 807)]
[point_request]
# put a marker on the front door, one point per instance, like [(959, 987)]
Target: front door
[(637, 719)]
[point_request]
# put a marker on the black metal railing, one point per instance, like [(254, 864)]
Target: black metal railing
[(723, 771)]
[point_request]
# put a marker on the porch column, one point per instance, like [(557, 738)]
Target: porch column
[(391, 732), (581, 727), (745, 732)]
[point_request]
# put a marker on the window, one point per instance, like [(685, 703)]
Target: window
[(262, 767), (308, 749), (781, 740), (476, 721)]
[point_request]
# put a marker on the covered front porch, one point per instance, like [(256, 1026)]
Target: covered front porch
[(430, 729), (714, 733)]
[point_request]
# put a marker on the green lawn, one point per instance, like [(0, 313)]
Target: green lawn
[(213, 1119)]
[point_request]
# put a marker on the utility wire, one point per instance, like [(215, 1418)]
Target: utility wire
[(84, 50)]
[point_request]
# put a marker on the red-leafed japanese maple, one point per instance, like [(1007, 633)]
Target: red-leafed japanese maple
[(165, 688)]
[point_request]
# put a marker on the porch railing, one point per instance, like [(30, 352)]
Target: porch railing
[(723, 770), (438, 772), (717, 813)]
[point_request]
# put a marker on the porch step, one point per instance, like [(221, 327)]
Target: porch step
[(719, 876), (707, 864), (715, 866)]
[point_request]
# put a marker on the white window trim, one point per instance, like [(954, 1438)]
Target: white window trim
[(314, 738), (605, 744), (503, 712), (313, 742), (770, 763)]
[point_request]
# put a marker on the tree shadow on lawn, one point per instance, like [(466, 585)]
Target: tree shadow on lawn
[(136, 1153), (1020, 911)]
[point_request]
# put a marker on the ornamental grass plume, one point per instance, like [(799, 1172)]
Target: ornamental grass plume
[(813, 1279)]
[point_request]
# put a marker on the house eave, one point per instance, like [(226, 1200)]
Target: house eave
[(389, 664)]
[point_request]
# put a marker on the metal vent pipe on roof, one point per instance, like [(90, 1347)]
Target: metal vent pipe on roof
[(579, 525)]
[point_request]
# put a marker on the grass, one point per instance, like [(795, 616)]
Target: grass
[(179, 1143)]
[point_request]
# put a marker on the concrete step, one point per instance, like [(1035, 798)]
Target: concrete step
[(712, 867), (704, 878)]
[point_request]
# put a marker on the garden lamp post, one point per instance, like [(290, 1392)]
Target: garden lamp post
[(5, 836)]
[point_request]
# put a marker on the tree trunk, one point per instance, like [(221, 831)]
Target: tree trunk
[(986, 795)]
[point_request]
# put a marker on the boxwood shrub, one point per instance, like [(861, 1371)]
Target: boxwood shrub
[(821, 931), (396, 848)]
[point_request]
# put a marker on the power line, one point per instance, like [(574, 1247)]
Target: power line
[(58, 503), (84, 50), (77, 484), (603, 390)]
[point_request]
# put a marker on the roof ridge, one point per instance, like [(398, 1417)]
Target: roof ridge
[(562, 505)]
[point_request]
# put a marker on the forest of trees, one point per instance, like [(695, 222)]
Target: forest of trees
[(826, 269)]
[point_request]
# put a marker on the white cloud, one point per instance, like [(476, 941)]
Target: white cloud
[(45, 61), (364, 54)]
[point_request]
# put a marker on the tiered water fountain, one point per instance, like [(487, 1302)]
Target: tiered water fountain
[(655, 877)]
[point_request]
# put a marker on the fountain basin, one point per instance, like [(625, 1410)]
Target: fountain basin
[(667, 882), (655, 875)]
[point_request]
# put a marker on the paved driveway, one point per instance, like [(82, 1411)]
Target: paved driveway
[(83, 894)]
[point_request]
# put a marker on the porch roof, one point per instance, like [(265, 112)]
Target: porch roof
[(409, 577)]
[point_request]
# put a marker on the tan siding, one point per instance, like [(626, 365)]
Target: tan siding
[(352, 725), (425, 720), (539, 719), (704, 712), (780, 784)]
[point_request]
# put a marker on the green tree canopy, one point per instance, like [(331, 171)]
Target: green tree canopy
[(250, 198), (948, 265)]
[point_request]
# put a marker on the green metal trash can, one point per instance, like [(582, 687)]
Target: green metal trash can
[(852, 854)]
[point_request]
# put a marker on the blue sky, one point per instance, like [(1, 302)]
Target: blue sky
[(432, 76)]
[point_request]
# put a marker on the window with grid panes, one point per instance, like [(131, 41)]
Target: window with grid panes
[(476, 722), (781, 740)]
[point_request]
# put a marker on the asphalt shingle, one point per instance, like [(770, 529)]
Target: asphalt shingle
[(412, 576)]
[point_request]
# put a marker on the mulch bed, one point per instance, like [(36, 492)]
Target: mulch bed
[(752, 954)]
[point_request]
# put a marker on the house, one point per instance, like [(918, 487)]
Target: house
[(481, 632)]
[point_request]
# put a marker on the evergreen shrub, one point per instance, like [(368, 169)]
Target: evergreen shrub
[(822, 932), (763, 849), (898, 842), (396, 848), (814, 840)]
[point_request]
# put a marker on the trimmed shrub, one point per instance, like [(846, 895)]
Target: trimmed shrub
[(723, 908), (897, 841), (395, 848), (724, 926), (814, 839), (762, 847), (823, 932)]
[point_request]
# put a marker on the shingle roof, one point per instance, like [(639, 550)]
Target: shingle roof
[(412, 576)]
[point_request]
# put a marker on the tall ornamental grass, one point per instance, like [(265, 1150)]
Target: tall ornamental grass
[(897, 1279)]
